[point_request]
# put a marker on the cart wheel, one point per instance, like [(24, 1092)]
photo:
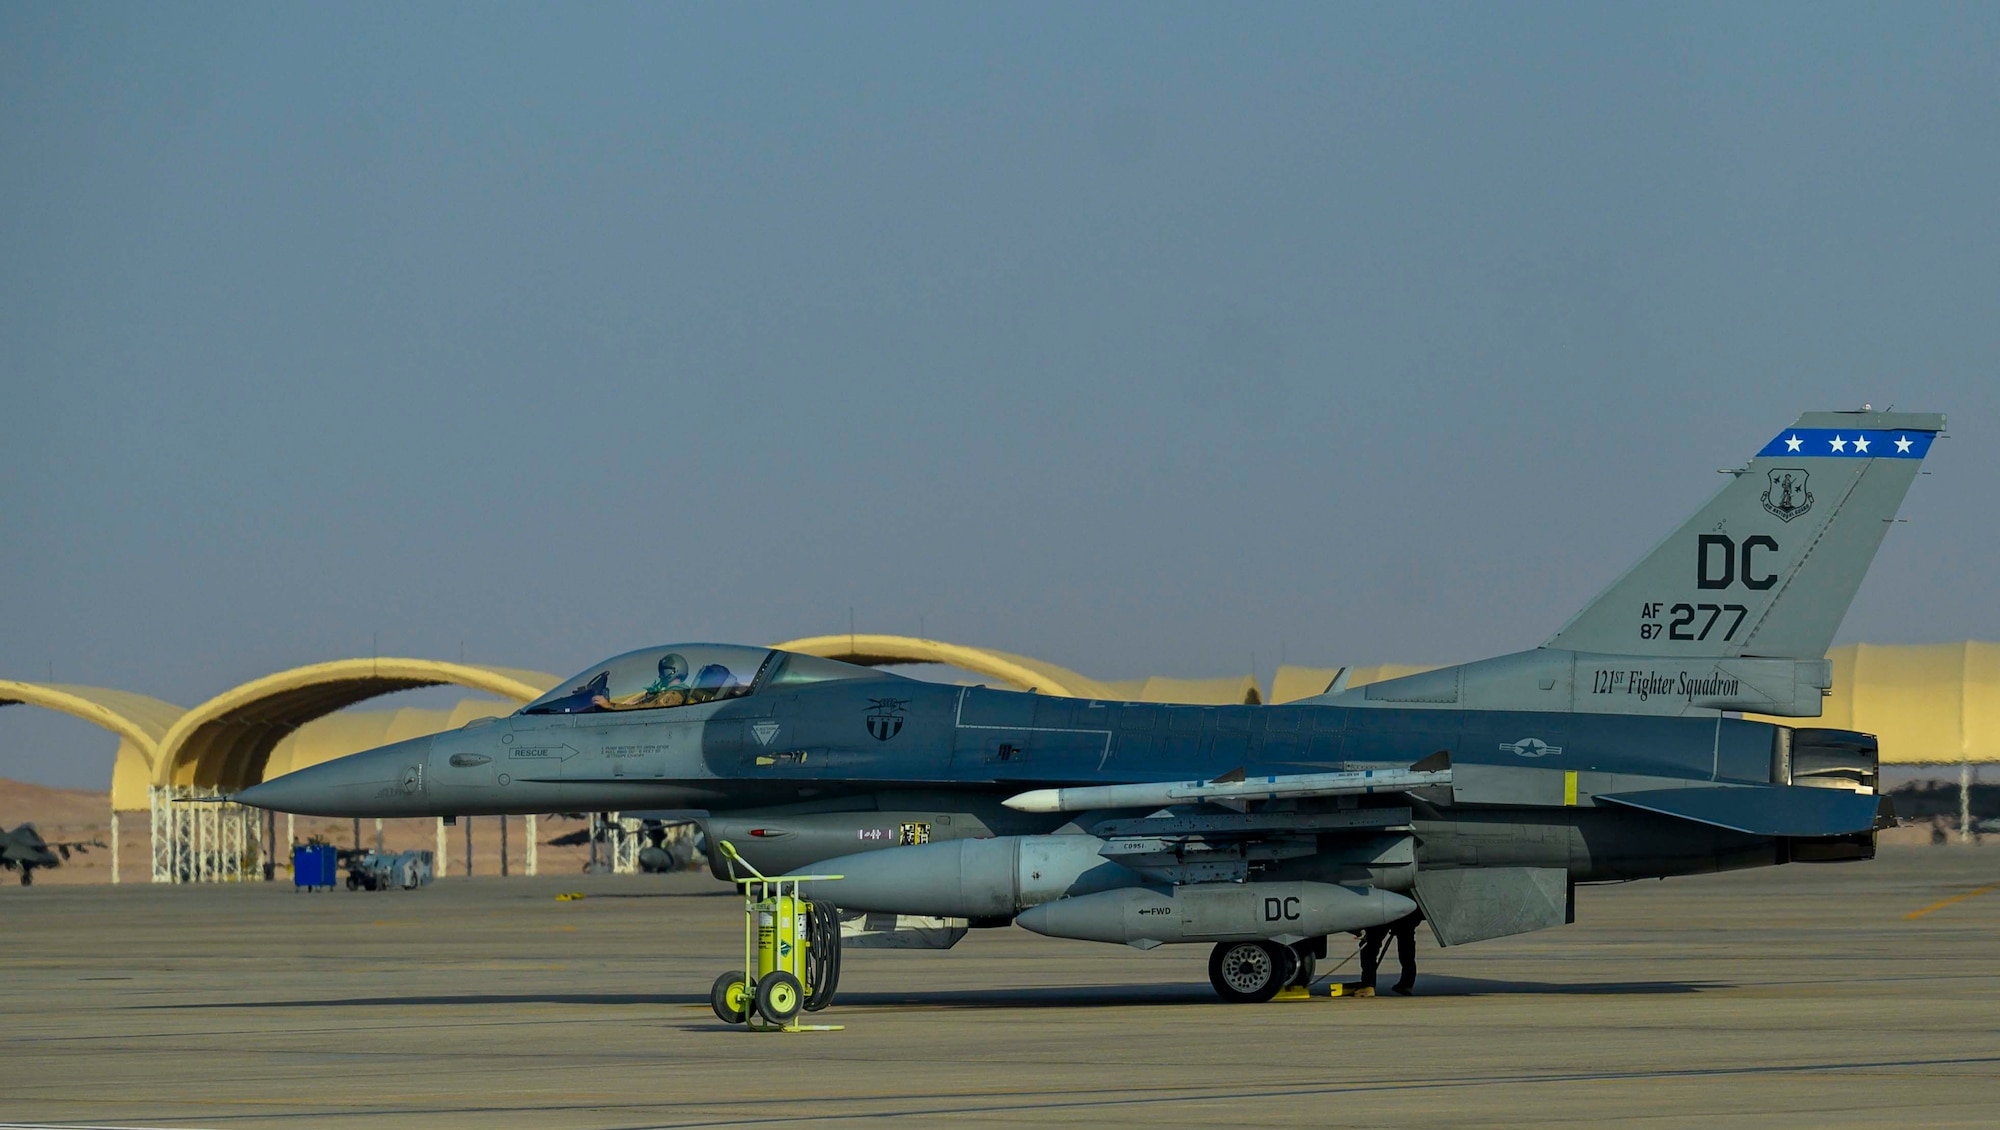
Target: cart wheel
[(730, 998), (779, 996)]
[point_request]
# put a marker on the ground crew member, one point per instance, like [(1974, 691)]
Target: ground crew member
[(1375, 940)]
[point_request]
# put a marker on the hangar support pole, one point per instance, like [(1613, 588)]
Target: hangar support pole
[(1965, 800), (624, 844), (202, 817), (114, 845), (157, 836)]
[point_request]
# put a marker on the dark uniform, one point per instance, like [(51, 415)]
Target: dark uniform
[(1376, 939)]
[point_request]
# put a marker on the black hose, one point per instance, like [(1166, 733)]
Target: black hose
[(822, 954), (830, 915)]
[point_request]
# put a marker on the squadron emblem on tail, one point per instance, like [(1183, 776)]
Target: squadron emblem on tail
[(1787, 496)]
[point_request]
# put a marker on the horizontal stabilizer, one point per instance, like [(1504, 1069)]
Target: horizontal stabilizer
[(1761, 810)]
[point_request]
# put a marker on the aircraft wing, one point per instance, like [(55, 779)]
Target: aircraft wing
[(1209, 833), (1234, 787), (64, 847), (1207, 846)]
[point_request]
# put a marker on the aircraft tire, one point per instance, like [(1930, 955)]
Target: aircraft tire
[(1303, 978), (1288, 963), (1247, 972), (779, 996), (729, 997), (27, 876)]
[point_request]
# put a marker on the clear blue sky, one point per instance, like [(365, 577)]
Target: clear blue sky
[(1143, 338)]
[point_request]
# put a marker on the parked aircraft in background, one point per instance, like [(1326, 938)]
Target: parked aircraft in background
[(24, 849)]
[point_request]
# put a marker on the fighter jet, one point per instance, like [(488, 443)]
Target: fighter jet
[(1483, 793), (24, 849)]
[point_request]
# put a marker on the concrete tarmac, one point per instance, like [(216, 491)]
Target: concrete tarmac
[(1799, 995)]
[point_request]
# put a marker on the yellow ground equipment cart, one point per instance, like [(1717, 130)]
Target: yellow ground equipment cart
[(791, 950)]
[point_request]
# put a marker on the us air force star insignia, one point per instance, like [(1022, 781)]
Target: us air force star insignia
[(1530, 747), (763, 732), (1861, 444), (1793, 443), (1903, 446), (1837, 443)]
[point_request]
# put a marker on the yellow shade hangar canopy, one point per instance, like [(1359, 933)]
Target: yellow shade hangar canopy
[(226, 742), (1927, 703), (139, 721)]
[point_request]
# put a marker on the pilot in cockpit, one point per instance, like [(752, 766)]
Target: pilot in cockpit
[(715, 681), (670, 689)]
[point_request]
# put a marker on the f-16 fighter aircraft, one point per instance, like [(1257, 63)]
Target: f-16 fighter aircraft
[(1482, 793), (24, 849)]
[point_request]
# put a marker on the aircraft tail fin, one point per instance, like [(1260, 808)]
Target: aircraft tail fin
[(1769, 566)]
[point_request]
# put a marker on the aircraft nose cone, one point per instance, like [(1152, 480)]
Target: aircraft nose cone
[(379, 782)]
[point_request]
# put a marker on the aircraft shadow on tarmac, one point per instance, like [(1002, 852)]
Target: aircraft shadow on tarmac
[(1084, 996), (1066, 996), (1443, 986)]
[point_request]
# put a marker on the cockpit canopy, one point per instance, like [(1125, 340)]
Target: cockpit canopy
[(657, 678)]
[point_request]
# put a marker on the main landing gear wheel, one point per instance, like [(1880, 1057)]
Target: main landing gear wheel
[(779, 996), (1250, 972), (730, 998), (1288, 964), (1303, 978)]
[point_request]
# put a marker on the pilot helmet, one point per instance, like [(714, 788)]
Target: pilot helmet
[(673, 669)]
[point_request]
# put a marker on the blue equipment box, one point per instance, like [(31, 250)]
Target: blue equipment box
[(313, 865)]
